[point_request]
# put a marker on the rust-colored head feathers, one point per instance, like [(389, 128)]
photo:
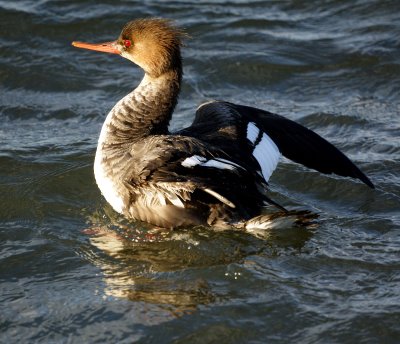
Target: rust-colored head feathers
[(153, 44)]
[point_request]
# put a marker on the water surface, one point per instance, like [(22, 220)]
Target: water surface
[(72, 271)]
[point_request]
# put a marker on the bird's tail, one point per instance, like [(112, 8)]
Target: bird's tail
[(262, 225)]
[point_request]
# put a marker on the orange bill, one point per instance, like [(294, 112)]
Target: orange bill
[(106, 47)]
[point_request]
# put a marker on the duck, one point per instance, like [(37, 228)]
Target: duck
[(213, 173)]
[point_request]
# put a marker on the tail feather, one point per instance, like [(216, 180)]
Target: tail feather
[(262, 224)]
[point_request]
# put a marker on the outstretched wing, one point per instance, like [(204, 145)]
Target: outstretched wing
[(266, 132), (220, 125)]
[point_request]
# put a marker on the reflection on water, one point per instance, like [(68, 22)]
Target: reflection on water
[(154, 265), (127, 275), (131, 270)]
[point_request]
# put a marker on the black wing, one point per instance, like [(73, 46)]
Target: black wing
[(294, 141)]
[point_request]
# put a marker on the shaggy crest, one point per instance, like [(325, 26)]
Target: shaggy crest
[(155, 45)]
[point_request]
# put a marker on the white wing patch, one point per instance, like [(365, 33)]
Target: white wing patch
[(193, 161), (229, 163), (266, 152), (252, 132), (220, 163)]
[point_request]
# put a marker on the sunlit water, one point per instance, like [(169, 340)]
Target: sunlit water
[(72, 271)]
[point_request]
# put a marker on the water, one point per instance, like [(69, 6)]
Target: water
[(72, 271)]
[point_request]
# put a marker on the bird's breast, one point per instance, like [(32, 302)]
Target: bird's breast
[(107, 184)]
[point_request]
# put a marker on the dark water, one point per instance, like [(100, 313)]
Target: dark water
[(72, 271)]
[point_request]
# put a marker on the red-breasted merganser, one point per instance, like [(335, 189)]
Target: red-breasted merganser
[(213, 173)]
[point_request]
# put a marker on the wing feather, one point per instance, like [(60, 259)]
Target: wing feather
[(293, 140)]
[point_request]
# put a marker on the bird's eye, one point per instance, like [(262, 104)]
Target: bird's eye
[(127, 43)]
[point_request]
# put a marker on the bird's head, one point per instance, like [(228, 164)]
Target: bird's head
[(152, 44)]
